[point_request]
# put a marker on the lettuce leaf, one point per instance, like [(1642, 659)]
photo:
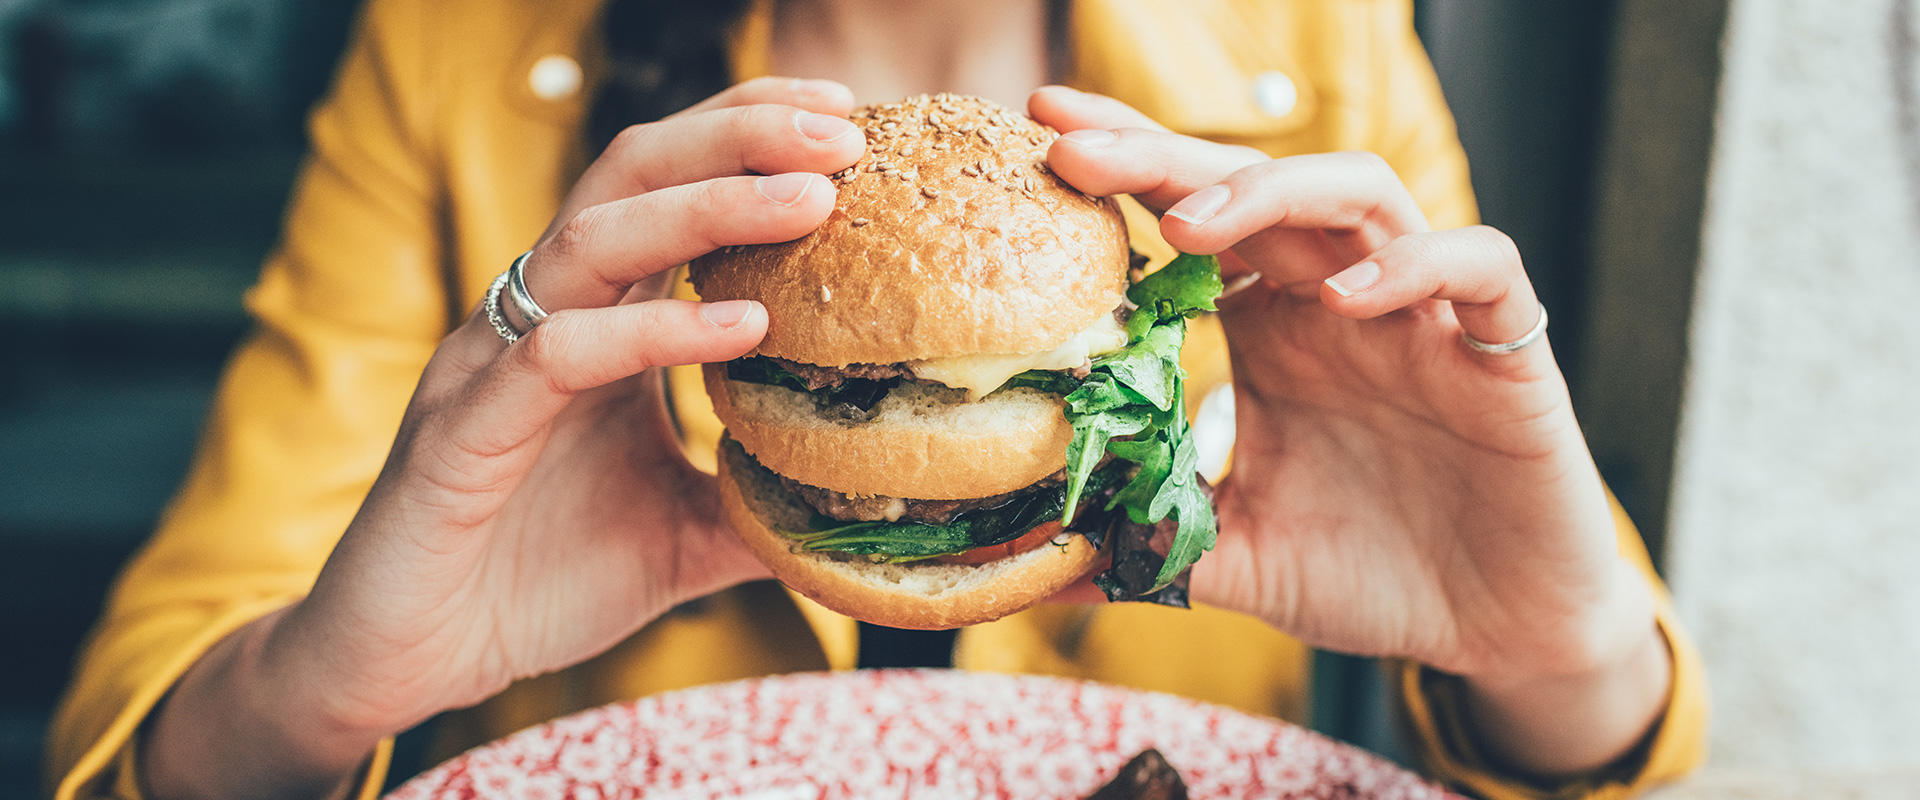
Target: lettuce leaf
[(1132, 406), (907, 540)]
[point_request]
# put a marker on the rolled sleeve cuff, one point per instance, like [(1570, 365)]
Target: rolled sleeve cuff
[(109, 767), (1434, 706)]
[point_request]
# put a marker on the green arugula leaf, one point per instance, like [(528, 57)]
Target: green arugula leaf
[(1155, 459), (1151, 366), (1098, 394), (907, 540), (1050, 381), (1090, 436), (893, 541), (1196, 533), (1132, 406), (1184, 287)]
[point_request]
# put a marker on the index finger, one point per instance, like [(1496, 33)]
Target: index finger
[(1069, 109), (816, 95)]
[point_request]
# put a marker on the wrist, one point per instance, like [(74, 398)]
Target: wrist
[(1566, 720), (302, 694), (1609, 634), (233, 726)]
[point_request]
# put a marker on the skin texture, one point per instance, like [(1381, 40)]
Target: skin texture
[(484, 553), (1395, 493)]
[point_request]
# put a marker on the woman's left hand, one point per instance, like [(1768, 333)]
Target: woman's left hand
[(1394, 491)]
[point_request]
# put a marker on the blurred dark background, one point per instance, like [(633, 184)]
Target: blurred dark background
[(146, 148)]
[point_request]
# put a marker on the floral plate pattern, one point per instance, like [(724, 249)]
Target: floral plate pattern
[(905, 734)]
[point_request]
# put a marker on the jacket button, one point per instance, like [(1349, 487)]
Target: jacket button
[(554, 78), (1275, 93)]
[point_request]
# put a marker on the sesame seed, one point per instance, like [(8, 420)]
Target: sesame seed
[(826, 294), (930, 192), (860, 222), (970, 171)]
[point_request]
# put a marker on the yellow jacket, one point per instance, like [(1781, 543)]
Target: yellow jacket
[(436, 159)]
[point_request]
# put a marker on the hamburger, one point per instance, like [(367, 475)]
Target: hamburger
[(961, 396)]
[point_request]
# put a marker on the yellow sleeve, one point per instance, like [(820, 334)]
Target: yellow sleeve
[(1409, 123), (346, 311), (1676, 745)]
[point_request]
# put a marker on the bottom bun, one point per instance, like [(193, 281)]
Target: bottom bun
[(921, 595)]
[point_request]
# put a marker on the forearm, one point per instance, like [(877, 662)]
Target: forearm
[(1568, 724), (241, 723)]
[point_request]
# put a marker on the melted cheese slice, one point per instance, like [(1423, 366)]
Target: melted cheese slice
[(982, 374)]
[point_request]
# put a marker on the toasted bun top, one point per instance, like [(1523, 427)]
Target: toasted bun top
[(950, 237)]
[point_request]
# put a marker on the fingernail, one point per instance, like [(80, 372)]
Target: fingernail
[(1059, 87), (726, 314), (1091, 137), (822, 128), (784, 189), (1355, 279), (1201, 205)]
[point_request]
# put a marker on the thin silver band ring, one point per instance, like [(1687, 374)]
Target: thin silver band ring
[(523, 303), (513, 284), (1502, 348)]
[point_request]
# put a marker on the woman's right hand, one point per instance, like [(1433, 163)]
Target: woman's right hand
[(535, 508)]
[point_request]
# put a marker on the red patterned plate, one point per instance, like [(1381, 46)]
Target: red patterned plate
[(905, 734)]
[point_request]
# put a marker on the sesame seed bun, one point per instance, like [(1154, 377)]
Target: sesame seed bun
[(921, 595), (950, 237)]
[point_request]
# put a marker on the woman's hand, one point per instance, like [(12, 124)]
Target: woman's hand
[(535, 508), (1394, 492)]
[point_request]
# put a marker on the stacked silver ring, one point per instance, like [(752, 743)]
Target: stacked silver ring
[(513, 283), (1503, 348)]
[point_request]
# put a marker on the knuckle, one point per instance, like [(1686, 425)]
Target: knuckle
[(1413, 252), (746, 124), (631, 139), (575, 235), (1499, 245), (1253, 156), (1368, 161), (761, 86), (543, 351)]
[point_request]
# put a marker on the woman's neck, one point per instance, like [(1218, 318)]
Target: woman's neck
[(888, 49)]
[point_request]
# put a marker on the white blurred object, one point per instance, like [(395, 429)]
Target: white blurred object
[(1213, 432), (1796, 513), (555, 77), (1275, 93)]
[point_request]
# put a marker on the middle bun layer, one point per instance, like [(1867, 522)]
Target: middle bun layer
[(922, 442)]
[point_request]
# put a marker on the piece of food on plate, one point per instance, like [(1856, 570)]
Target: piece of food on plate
[(1146, 776), (960, 397)]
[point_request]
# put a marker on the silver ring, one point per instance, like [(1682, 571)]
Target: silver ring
[(499, 321), (1503, 348), (530, 312)]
